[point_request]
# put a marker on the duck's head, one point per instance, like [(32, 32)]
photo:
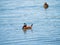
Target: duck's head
[(45, 2), (24, 23)]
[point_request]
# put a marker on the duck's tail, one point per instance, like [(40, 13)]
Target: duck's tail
[(31, 25)]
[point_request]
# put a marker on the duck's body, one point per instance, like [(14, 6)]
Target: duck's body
[(45, 5), (27, 27)]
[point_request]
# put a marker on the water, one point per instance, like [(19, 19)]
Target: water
[(46, 23)]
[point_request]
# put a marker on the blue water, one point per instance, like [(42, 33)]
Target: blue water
[(46, 23)]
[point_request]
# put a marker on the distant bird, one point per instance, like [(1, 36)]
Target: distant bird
[(25, 27), (46, 5)]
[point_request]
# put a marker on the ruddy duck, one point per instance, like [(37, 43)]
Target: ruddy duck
[(25, 27), (46, 5)]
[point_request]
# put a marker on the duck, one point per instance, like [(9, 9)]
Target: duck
[(46, 5), (25, 27)]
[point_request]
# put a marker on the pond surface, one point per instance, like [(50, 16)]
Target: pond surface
[(46, 23)]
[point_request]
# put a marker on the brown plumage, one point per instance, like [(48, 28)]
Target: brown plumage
[(25, 27), (45, 5)]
